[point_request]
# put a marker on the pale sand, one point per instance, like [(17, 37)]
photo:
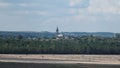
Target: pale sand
[(71, 59)]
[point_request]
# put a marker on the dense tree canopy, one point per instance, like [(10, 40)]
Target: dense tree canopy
[(82, 45)]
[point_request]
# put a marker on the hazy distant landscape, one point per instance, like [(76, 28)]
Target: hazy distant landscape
[(59, 33), (49, 43), (45, 34), (48, 50)]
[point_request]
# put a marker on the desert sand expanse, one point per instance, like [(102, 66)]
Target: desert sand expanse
[(52, 58)]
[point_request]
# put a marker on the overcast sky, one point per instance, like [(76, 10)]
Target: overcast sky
[(68, 15)]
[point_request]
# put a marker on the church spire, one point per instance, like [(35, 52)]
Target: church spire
[(57, 31)]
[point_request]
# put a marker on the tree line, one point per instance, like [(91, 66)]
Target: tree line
[(82, 45)]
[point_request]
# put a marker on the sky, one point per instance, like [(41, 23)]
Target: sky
[(68, 15)]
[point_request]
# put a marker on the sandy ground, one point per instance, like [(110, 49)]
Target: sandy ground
[(48, 58)]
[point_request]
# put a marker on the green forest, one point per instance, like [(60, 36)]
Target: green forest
[(81, 45)]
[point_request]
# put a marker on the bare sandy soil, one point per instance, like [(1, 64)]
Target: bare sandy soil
[(86, 59)]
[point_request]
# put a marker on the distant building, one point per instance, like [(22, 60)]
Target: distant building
[(62, 36), (59, 35)]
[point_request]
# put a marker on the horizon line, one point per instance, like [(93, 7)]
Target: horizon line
[(60, 32)]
